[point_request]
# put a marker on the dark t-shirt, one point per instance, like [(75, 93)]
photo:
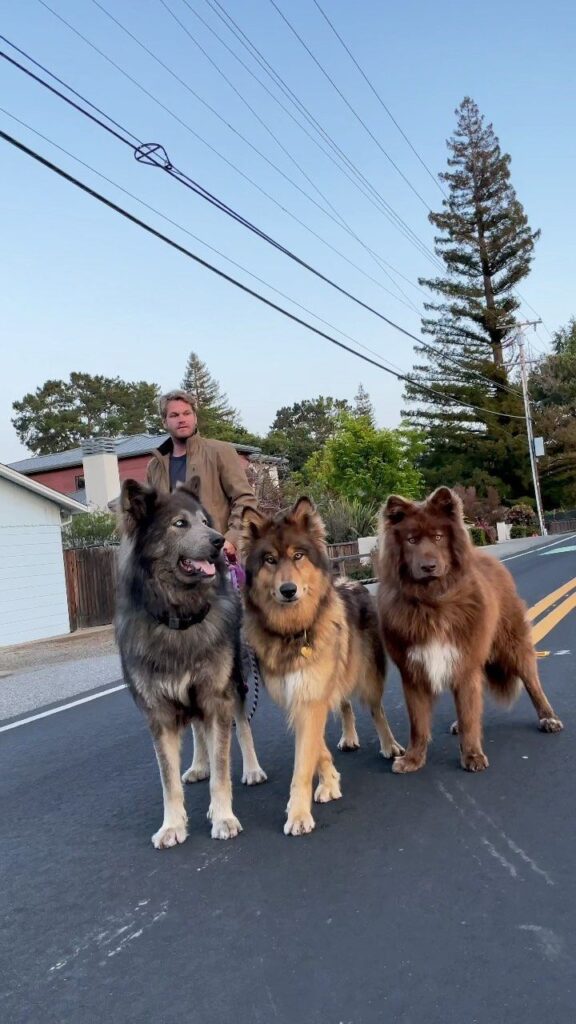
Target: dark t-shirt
[(177, 470)]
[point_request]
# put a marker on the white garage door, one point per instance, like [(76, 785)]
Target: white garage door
[(33, 603)]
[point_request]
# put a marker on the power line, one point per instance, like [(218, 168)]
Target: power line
[(184, 124), (191, 234), (221, 156), (156, 156), (349, 105), (231, 280), (257, 55), (182, 178), (322, 146), (379, 98), (274, 136)]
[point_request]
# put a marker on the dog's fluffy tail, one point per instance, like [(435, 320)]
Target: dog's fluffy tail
[(504, 685)]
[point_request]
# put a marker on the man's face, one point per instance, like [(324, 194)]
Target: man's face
[(180, 421)]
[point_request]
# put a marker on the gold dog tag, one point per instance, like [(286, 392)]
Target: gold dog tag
[(306, 651)]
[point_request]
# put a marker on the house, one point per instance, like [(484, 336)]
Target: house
[(67, 471), (33, 601)]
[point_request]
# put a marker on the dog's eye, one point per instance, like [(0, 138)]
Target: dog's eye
[(298, 555), (411, 540), (438, 537), (180, 522), (270, 560)]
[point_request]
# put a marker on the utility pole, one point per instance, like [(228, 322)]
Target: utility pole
[(529, 431)]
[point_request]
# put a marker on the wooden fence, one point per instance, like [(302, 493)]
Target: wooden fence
[(91, 580), (90, 583), (562, 526)]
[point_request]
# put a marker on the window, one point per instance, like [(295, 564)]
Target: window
[(79, 483)]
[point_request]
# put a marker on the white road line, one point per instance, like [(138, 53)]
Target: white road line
[(63, 707), (544, 547)]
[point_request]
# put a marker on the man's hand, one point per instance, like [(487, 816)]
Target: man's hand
[(230, 550)]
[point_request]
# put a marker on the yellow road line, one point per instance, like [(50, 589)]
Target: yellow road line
[(542, 628), (550, 599)]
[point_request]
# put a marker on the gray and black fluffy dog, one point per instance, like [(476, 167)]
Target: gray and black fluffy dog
[(178, 630)]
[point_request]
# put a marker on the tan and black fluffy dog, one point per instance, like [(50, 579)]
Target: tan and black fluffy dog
[(451, 619), (317, 642)]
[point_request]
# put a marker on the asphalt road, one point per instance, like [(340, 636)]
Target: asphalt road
[(439, 897)]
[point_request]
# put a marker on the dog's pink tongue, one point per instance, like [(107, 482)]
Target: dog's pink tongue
[(208, 568)]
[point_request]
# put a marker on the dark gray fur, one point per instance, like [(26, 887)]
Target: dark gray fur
[(179, 676)]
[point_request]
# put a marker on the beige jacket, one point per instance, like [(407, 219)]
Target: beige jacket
[(224, 487)]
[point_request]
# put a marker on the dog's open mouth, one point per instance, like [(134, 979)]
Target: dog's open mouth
[(195, 567)]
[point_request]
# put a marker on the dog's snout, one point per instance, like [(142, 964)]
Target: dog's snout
[(429, 567), (288, 591), (217, 541)]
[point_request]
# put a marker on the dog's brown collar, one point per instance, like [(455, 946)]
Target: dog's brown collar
[(174, 621)]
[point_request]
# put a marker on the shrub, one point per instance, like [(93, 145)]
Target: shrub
[(518, 530), (520, 515), (90, 529), (478, 536)]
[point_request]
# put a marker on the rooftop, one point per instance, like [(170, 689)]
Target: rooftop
[(126, 447)]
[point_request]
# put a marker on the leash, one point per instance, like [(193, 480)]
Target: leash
[(246, 649)]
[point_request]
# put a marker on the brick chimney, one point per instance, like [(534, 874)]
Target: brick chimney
[(101, 476)]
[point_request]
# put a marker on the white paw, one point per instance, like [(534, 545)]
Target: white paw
[(348, 743), (254, 776), (550, 725), (196, 773), (394, 751), (226, 828), (328, 790), (299, 824), (169, 835), (454, 730)]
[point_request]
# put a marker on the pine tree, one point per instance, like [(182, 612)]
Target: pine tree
[(486, 246), (216, 417), (363, 405)]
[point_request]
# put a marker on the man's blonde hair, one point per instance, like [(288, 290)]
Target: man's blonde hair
[(176, 396)]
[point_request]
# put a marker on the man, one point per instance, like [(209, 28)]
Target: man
[(224, 487)]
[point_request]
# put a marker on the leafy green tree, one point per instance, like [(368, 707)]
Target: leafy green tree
[(365, 464), (552, 386), (486, 246), (301, 429), (62, 414)]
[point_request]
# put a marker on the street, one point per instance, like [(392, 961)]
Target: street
[(439, 897)]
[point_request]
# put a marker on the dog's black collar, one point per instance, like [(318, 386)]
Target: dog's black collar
[(174, 621)]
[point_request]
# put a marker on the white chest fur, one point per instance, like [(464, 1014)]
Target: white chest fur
[(438, 661), (287, 690)]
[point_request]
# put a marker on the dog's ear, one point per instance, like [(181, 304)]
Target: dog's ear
[(137, 502), (396, 509), (253, 523), (306, 516), (446, 502), (192, 486)]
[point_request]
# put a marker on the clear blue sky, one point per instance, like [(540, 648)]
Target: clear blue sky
[(84, 290)]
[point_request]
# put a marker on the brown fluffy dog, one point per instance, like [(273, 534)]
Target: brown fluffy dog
[(451, 618), (317, 642)]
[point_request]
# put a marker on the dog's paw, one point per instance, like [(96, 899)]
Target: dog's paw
[(169, 835), (226, 828), (328, 789), (454, 730), (393, 751), (477, 762), (404, 764), (196, 773), (348, 743), (550, 725), (254, 777), (299, 824)]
